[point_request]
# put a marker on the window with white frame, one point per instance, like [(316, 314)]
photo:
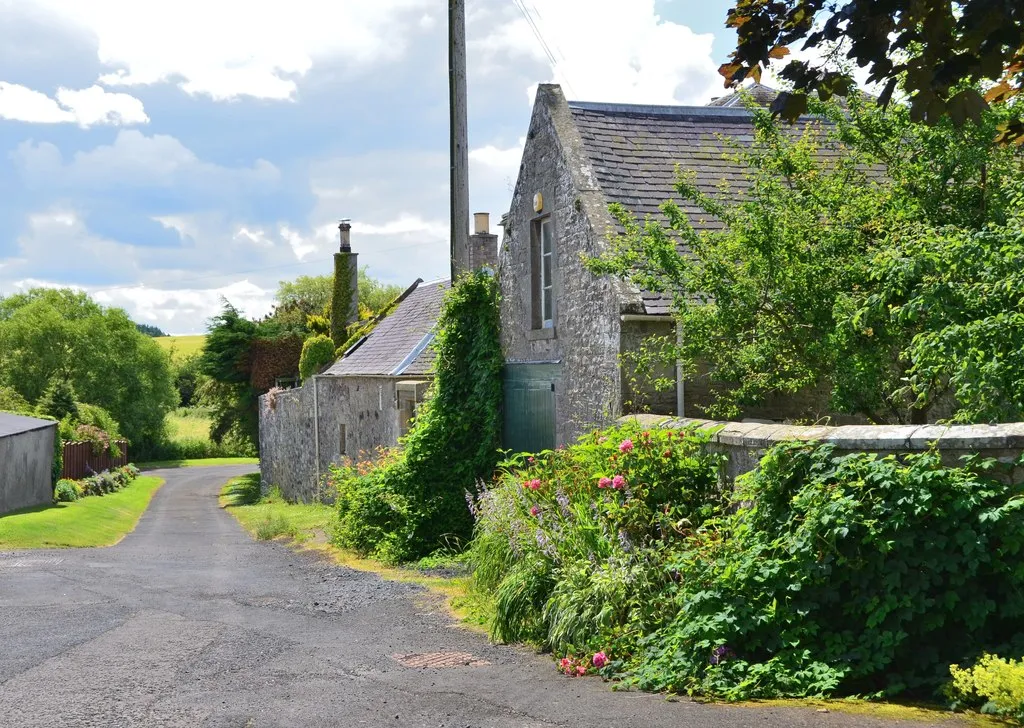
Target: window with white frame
[(543, 273)]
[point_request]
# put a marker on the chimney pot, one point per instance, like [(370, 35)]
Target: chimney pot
[(481, 223), (345, 229)]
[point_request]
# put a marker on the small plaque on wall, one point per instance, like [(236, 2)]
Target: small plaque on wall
[(538, 202)]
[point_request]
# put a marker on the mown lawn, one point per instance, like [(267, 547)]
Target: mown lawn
[(311, 526), (93, 521), (182, 346)]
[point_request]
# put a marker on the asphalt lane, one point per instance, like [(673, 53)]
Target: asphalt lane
[(189, 622)]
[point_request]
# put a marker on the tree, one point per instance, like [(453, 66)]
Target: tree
[(932, 47), (150, 330), (47, 333), (311, 295), (59, 400), (875, 276), (225, 360)]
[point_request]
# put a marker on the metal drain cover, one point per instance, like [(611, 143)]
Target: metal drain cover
[(439, 659)]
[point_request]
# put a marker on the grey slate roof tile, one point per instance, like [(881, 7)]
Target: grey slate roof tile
[(398, 337), (635, 150)]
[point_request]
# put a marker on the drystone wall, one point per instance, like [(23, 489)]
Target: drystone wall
[(357, 415), (744, 443)]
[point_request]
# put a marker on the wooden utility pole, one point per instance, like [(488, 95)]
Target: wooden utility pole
[(459, 136)]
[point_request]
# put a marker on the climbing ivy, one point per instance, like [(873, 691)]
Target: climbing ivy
[(413, 502)]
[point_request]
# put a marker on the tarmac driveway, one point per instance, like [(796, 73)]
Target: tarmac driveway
[(189, 622)]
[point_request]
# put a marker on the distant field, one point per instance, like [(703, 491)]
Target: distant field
[(182, 346), (187, 424)]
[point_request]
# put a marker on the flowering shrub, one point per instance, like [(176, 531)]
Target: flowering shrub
[(109, 481), (572, 542), (821, 573), (993, 684)]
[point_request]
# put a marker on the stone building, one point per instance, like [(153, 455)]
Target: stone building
[(366, 400), (564, 330)]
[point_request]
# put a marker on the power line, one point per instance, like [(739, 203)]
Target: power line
[(531, 19)]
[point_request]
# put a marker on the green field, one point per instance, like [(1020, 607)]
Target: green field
[(92, 521), (192, 424), (181, 346)]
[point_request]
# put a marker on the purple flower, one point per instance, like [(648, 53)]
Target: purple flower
[(720, 654)]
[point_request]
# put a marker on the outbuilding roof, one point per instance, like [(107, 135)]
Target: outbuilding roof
[(634, 151), (400, 345), (11, 424)]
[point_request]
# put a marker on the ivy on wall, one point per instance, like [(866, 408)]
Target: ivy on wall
[(413, 502)]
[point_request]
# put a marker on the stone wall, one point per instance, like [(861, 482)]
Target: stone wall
[(585, 337), (26, 468), (744, 443), (640, 393), (357, 415)]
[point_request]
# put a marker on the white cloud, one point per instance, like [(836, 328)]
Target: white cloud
[(506, 161), (227, 49), (86, 107), (135, 158), (186, 310), (604, 52)]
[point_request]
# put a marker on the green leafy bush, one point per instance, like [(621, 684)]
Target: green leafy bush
[(821, 573), (847, 573), (274, 526), (994, 685), (65, 492), (317, 353), (573, 542), (414, 502)]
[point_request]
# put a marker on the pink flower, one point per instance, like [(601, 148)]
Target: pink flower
[(600, 660), (581, 670), (602, 440), (534, 484), (531, 460), (625, 446), (534, 511), (565, 664), (618, 482), (604, 483)]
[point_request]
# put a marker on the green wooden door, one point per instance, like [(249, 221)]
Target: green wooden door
[(530, 406)]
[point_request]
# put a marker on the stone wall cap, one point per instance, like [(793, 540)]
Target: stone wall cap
[(885, 438)]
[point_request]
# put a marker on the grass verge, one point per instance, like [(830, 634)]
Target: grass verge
[(308, 527), (883, 711), (89, 522), (201, 463)]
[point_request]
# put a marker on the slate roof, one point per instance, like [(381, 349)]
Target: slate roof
[(758, 92), (634, 151), (17, 424), (400, 345)]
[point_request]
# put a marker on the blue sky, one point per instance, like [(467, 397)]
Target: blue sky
[(164, 154)]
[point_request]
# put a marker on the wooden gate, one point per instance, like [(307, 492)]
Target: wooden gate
[(530, 406), (80, 461)]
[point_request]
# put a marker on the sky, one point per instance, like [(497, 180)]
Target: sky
[(166, 155)]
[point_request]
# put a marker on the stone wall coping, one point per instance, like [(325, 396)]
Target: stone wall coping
[(877, 438)]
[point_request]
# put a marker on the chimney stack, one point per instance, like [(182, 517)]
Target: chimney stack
[(483, 246), (345, 293)]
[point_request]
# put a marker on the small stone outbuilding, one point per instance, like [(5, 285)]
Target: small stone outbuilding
[(26, 461), (565, 330)]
